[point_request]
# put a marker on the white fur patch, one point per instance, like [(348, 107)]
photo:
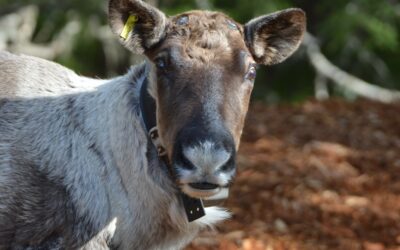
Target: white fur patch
[(112, 226), (213, 215), (207, 156), (207, 160), (225, 177)]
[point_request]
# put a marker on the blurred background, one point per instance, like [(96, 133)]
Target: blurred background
[(320, 157)]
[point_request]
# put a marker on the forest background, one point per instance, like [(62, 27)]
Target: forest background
[(359, 36)]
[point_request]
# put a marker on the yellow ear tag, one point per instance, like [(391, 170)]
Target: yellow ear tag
[(129, 25)]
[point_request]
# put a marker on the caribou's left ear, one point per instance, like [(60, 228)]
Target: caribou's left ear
[(272, 38), (138, 24)]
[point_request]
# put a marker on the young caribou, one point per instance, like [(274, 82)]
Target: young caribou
[(125, 163)]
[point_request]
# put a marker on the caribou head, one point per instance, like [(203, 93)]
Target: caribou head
[(202, 74)]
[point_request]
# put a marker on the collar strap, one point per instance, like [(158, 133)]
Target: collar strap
[(148, 110)]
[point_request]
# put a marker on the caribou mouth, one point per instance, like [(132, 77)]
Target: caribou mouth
[(203, 185), (201, 189)]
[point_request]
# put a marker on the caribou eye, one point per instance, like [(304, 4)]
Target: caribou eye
[(183, 20), (232, 25), (252, 73), (160, 63)]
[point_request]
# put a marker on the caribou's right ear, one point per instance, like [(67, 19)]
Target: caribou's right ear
[(138, 24)]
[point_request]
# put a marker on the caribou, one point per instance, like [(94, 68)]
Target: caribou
[(130, 162)]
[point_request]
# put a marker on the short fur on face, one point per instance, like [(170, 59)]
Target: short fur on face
[(206, 56), (207, 63)]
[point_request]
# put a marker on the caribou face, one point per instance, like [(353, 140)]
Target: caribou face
[(203, 80), (204, 66)]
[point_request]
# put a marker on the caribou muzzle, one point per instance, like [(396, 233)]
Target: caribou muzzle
[(204, 160)]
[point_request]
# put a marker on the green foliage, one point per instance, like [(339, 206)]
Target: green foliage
[(362, 37), (374, 22)]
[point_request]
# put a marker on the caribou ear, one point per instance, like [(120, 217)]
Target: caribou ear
[(138, 24), (272, 38)]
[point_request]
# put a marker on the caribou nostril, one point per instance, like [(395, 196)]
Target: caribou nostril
[(184, 162), (229, 165), (203, 185)]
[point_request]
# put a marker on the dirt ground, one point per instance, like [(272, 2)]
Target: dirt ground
[(317, 175)]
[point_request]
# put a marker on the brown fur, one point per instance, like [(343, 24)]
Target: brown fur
[(274, 37), (208, 55), (213, 58)]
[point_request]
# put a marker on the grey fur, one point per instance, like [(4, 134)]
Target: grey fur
[(73, 167)]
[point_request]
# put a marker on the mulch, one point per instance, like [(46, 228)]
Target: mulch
[(316, 175)]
